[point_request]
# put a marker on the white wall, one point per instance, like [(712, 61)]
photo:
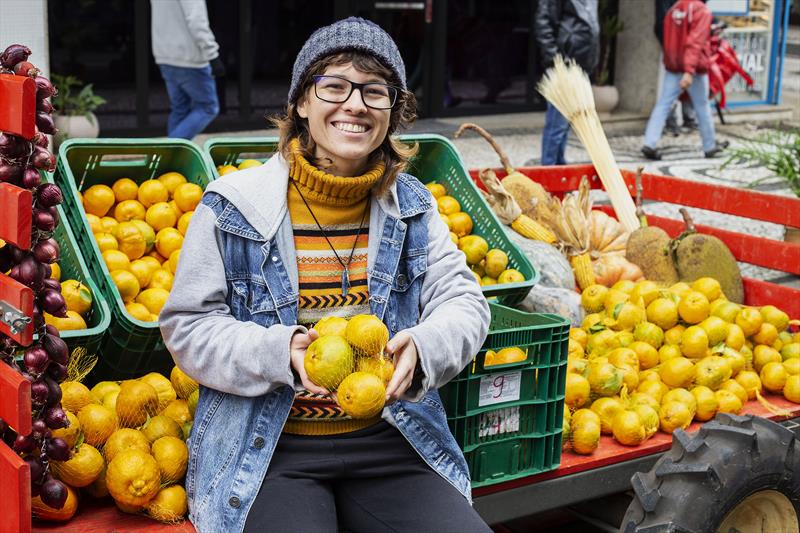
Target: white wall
[(25, 22)]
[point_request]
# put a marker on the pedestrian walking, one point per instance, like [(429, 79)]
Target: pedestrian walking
[(187, 54), (273, 249), (687, 113), (687, 30), (569, 28)]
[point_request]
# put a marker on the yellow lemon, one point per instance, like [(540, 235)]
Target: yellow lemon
[(773, 376), (183, 385), (125, 189), (169, 505), (171, 180), (116, 260), (98, 199), (460, 223), (175, 208), (108, 224), (187, 196), (674, 415), (147, 232), (693, 307), (710, 288), (448, 205), (55, 272), (106, 241), (694, 342), (72, 322), (133, 477), (160, 215), (143, 272), (437, 189), (677, 372), (151, 192), (94, 223), (157, 256), (173, 261), (129, 210), (183, 222), (138, 311), (226, 169), (168, 240), (172, 456), (74, 396), (77, 296), (125, 439), (130, 239), (126, 283), (161, 279), (750, 320), (707, 403), (153, 299), (97, 423), (510, 275), (249, 163)]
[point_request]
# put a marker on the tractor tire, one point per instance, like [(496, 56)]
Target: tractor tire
[(737, 474)]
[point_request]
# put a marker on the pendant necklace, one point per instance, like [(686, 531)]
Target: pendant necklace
[(345, 266)]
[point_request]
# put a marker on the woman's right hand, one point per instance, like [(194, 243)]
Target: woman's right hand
[(297, 354)]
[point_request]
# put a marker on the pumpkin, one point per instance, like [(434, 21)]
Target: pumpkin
[(45, 512), (606, 235), (612, 268)]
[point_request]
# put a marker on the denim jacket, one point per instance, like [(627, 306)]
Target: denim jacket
[(233, 310)]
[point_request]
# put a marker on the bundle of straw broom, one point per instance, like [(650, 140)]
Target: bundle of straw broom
[(567, 87)]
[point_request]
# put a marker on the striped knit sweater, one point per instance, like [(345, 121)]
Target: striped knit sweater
[(339, 204)]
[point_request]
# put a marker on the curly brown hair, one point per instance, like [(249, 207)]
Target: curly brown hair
[(394, 154)]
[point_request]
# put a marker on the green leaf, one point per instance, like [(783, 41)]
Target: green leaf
[(79, 441), (617, 310), (597, 328), (719, 348)]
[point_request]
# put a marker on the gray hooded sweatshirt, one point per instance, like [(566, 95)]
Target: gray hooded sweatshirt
[(181, 36)]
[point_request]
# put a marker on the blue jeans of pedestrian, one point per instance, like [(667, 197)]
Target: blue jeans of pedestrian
[(670, 90), (193, 100), (554, 137)]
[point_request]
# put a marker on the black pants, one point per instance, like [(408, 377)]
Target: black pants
[(367, 481)]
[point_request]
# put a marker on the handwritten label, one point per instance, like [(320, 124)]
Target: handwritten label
[(499, 422), (499, 388)]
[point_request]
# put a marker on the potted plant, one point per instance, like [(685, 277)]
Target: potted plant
[(606, 96), (73, 108), (778, 151)]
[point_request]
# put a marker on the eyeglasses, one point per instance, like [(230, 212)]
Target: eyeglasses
[(336, 90)]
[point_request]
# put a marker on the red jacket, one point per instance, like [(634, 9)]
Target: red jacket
[(687, 31)]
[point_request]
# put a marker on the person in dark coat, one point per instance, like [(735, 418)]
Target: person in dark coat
[(569, 28)]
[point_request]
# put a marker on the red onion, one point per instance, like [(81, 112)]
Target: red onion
[(44, 220), (48, 195), (57, 449), (24, 68), (37, 469), (14, 54), (54, 493), (38, 428), (48, 271), (39, 392), (44, 105), (31, 178), (51, 329), (45, 123), (24, 443), (36, 359), (18, 255), (29, 273), (47, 251), (40, 139), (56, 348), (43, 159), (10, 172), (50, 283), (52, 302), (36, 490), (13, 147), (55, 417), (44, 89), (57, 371), (54, 391)]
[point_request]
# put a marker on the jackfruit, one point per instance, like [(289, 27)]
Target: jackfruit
[(699, 255), (649, 249)]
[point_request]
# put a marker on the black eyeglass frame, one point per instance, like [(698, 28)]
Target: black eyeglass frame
[(394, 91)]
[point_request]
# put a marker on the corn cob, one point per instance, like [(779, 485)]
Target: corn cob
[(527, 227), (582, 267)]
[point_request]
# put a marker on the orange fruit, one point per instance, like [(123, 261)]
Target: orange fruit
[(183, 222), (136, 402), (663, 312), (94, 223), (736, 388), (577, 391), (649, 416), (620, 357), (628, 428), (792, 366), (173, 261), (171, 180), (716, 329), (74, 396), (763, 355), (106, 241), (674, 334), (130, 239), (98, 199), (160, 215), (614, 298), (624, 285), (138, 311), (172, 457), (676, 372), (640, 398), (367, 334), (143, 271), (712, 371), (627, 316), (728, 401), (183, 384), (604, 378), (448, 205), (128, 210), (175, 208), (693, 307), (97, 423), (649, 333), (70, 433), (668, 351), (725, 310), (790, 351), (72, 322), (645, 353), (153, 299), (187, 196), (735, 338), (584, 415), (750, 382), (249, 163), (496, 262), (133, 477), (773, 376), (108, 224), (169, 505), (791, 390), (775, 316), (474, 248), (147, 232), (226, 169), (707, 403), (653, 388), (151, 192), (55, 272), (579, 336), (125, 439), (437, 189), (766, 334), (77, 296), (585, 436), (178, 410), (607, 408), (593, 296), (85, 465), (750, 320), (644, 292), (361, 395), (509, 355), (125, 189), (161, 426), (679, 289), (126, 283), (168, 240), (460, 223), (674, 415), (709, 287), (510, 275), (163, 388), (694, 342)]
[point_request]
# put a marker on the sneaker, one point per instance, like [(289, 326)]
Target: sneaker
[(673, 130), (717, 150), (651, 153)]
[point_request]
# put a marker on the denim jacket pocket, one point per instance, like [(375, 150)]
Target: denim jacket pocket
[(250, 297), (411, 266)]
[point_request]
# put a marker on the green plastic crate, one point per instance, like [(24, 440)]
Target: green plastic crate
[(73, 266), (508, 418), (131, 347), (437, 160)]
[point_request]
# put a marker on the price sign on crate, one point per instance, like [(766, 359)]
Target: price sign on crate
[(500, 388)]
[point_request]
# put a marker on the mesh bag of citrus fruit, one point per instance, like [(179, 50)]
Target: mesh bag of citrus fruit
[(348, 357), (127, 440)]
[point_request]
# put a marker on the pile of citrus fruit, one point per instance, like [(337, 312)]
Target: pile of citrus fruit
[(348, 358), (78, 298), (246, 163), (139, 229), (490, 267), (649, 358), (127, 441)]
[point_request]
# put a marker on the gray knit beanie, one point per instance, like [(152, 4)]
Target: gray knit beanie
[(353, 33)]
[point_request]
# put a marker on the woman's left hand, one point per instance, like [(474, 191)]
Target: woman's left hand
[(404, 356)]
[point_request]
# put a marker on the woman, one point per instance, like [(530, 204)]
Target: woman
[(329, 226)]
